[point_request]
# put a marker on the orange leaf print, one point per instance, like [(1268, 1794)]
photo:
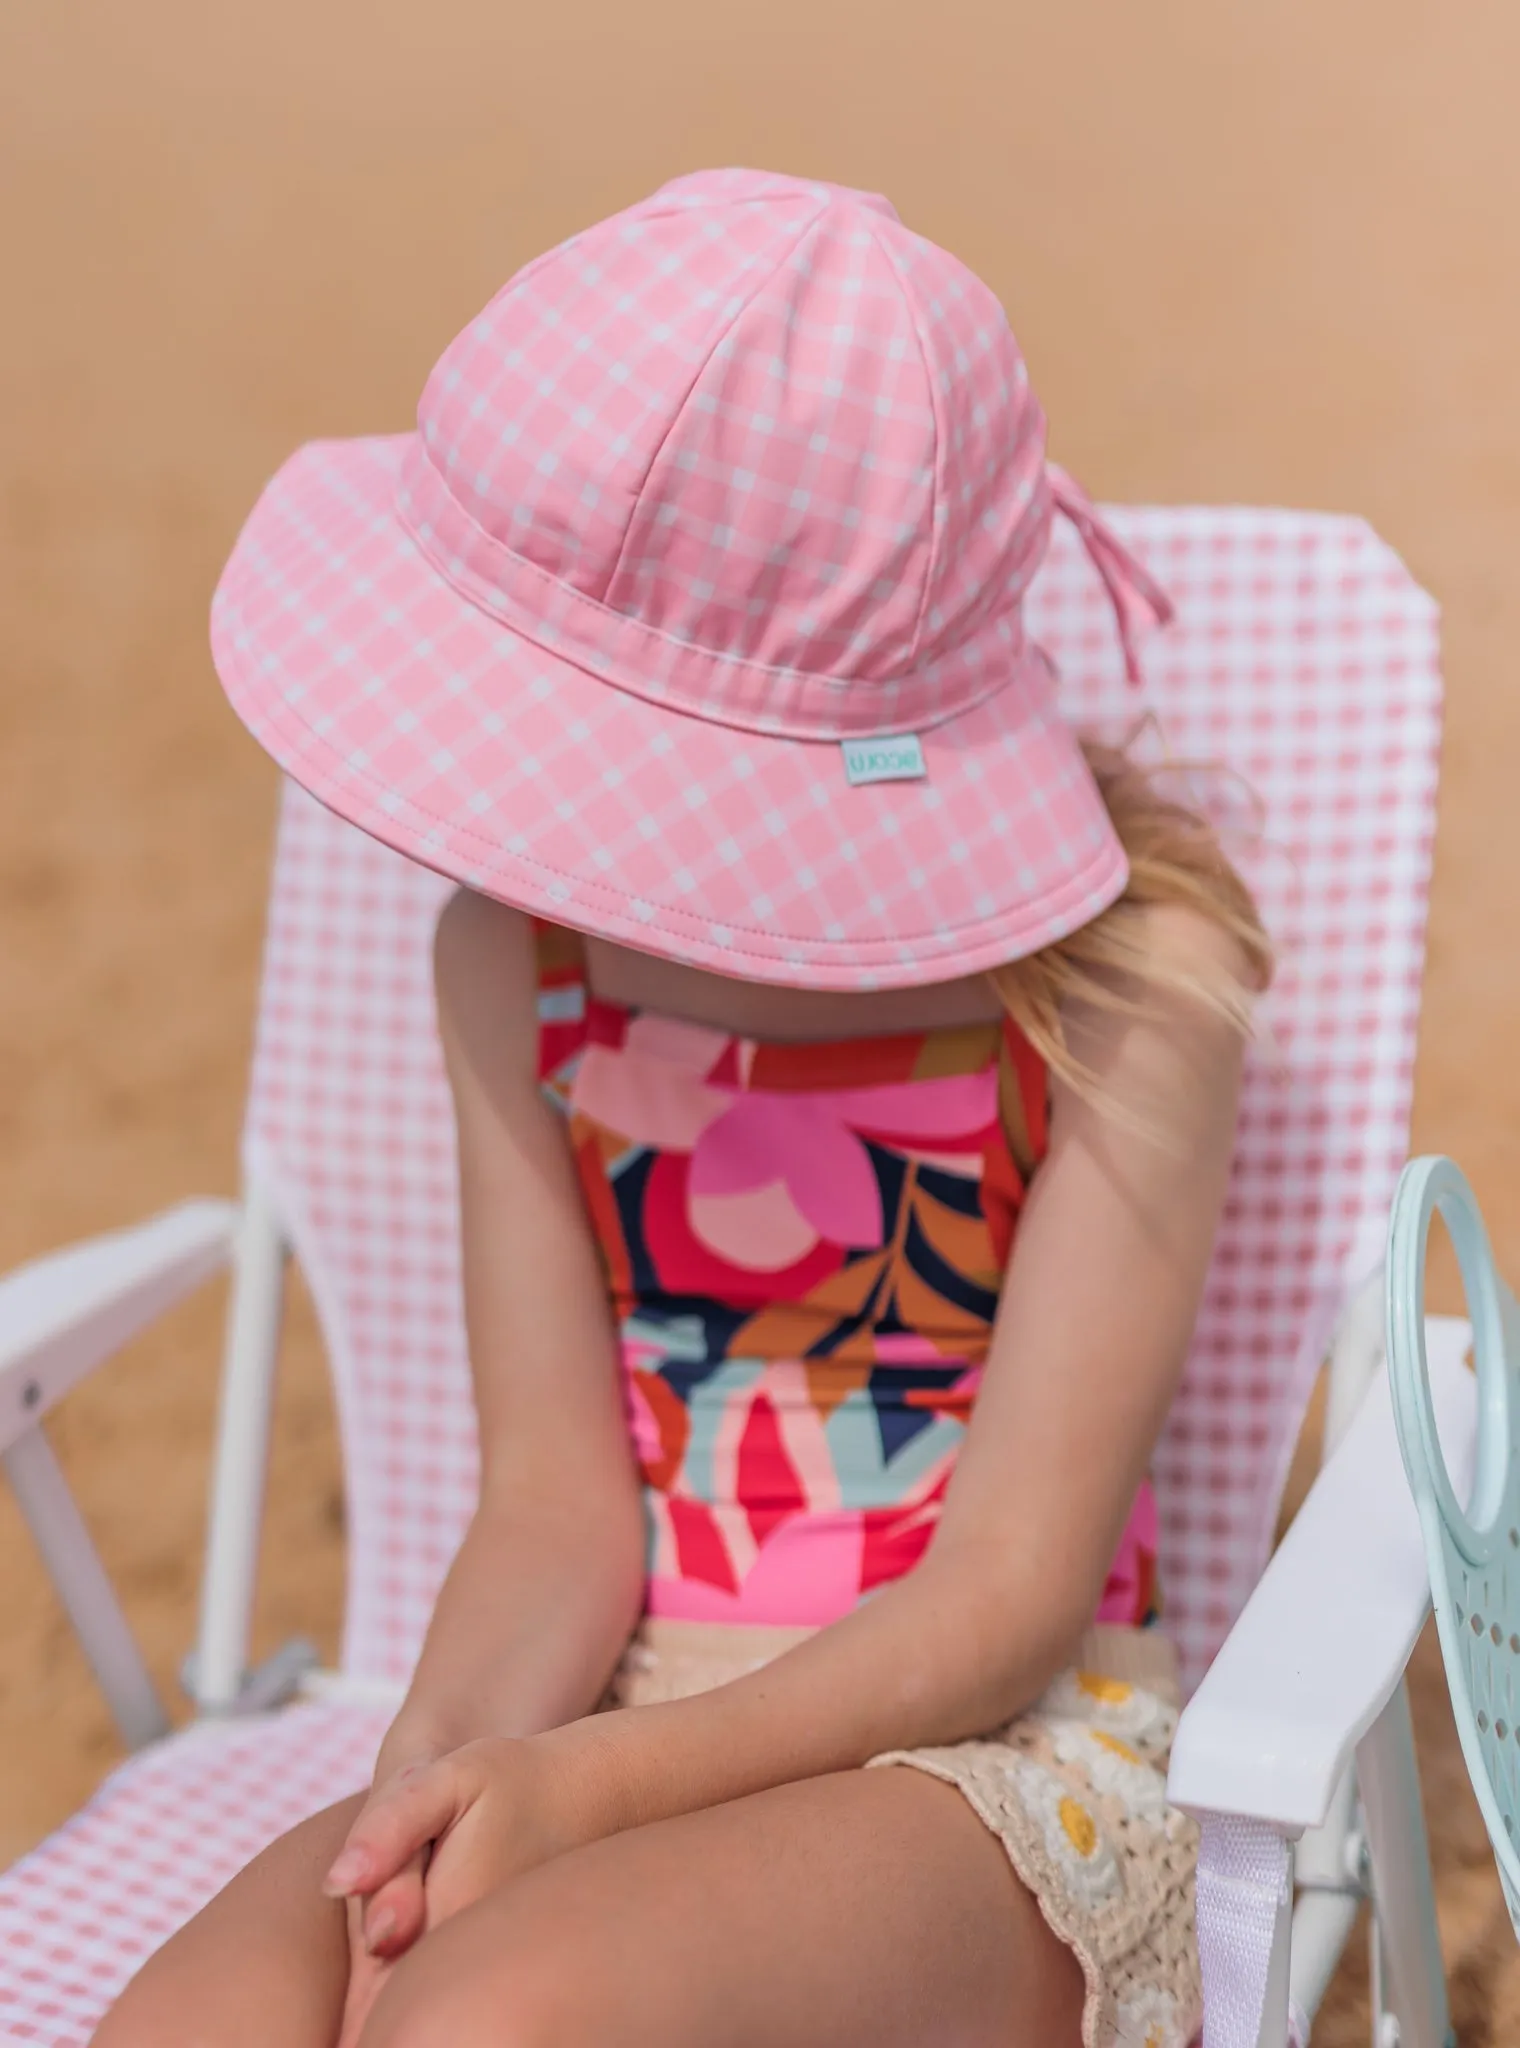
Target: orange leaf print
[(672, 1421), (791, 1329), (963, 1242)]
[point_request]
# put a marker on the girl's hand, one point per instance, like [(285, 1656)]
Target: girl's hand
[(471, 1820), (420, 1734), (366, 1979), (408, 1743)]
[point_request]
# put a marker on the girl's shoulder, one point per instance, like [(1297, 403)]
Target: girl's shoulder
[(486, 975), (1193, 941)]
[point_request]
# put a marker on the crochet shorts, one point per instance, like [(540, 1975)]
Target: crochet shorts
[(1074, 1789)]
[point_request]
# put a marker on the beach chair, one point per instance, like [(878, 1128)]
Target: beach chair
[(1303, 657), (1472, 1533)]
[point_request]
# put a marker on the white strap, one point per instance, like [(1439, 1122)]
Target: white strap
[(1245, 1903)]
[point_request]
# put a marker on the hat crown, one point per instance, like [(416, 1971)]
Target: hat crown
[(761, 417)]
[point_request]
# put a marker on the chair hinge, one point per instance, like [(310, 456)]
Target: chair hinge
[(268, 1685)]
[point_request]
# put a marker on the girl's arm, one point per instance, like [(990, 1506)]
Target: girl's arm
[(547, 1585), (1094, 1323)]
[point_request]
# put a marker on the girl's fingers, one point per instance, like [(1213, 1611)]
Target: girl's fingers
[(409, 1811), (395, 1914), (367, 1975)]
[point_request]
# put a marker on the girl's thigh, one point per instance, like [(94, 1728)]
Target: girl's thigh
[(872, 1908), (264, 1965)]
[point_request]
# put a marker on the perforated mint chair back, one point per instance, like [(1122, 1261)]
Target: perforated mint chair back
[(1474, 1549)]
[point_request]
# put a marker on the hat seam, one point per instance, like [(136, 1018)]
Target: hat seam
[(808, 228), (660, 206), (450, 568), (937, 495), (1075, 890)]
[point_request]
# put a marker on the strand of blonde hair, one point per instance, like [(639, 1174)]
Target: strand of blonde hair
[(1113, 964)]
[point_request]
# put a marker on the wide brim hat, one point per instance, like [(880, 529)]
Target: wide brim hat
[(691, 615)]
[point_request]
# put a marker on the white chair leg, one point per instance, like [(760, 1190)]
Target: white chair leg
[(217, 1670), (1276, 2007), (1332, 1867), (1331, 1888), (1409, 1986), (74, 1565)]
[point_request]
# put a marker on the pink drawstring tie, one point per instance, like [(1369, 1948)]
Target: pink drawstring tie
[(1126, 582)]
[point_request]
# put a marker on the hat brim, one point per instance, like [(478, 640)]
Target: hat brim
[(430, 725)]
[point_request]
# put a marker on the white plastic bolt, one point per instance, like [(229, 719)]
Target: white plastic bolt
[(1388, 2032)]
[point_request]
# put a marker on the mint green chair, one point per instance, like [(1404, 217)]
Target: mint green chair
[(1473, 1547)]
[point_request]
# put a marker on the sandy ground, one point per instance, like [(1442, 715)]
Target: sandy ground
[(1254, 253)]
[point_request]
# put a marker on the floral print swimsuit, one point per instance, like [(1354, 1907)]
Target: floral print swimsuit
[(804, 1245)]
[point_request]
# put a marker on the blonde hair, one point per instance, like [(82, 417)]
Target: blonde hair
[(1114, 964)]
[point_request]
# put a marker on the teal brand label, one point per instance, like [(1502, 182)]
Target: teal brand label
[(881, 759)]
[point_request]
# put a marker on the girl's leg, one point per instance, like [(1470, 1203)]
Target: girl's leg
[(869, 1910), (265, 1965)]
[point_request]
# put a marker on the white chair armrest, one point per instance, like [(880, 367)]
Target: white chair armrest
[(1324, 1639), (63, 1314)]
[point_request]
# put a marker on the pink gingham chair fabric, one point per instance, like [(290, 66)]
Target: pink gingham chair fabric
[(1306, 659)]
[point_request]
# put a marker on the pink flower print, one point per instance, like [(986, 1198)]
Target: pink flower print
[(774, 1174), (645, 1100), (948, 1111), (1131, 1581)]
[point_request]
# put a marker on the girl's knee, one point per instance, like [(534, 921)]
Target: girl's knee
[(508, 1994), (147, 2015)]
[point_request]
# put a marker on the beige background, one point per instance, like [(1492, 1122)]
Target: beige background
[(1253, 252)]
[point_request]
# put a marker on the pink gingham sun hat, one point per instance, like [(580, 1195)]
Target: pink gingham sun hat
[(690, 616)]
